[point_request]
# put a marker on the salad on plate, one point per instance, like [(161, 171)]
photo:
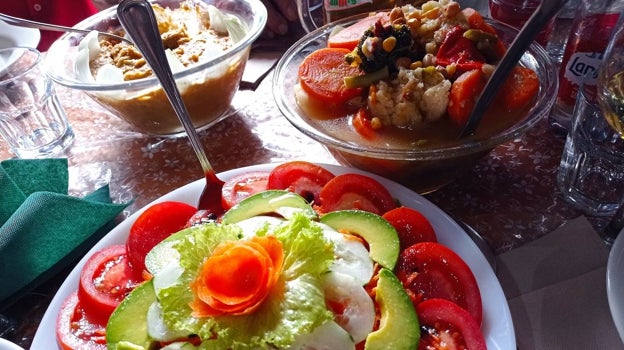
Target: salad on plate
[(304, 258)]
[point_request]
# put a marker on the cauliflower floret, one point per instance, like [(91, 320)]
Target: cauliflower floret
[(415, 96), (435, 101)]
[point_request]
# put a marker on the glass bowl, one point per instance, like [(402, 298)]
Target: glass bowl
[(424, 169), (207, 87)]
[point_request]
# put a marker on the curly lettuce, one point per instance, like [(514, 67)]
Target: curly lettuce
[(296, 305)]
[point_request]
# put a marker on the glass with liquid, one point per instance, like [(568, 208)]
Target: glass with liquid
[(517, 12), (611, 81), (591, 172)]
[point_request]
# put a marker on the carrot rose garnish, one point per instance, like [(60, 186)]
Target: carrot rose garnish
[(237, 277)]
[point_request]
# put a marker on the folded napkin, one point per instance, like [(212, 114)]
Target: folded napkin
[(43, 229), (556, 289)]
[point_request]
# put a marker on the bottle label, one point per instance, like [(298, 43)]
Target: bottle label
[(583, 68), (336, 5)]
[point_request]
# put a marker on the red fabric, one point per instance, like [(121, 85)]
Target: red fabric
[(62, 12)]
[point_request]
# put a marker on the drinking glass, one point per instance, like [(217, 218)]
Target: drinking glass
[(610, 83), (32, 120), (610, 95)]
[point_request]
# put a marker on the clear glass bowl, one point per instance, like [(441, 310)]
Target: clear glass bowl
[(422, 169), (208, 87)]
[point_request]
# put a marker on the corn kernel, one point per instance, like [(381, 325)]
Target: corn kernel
[(451, 69), (416, 64), (389, 43), (376, 123)]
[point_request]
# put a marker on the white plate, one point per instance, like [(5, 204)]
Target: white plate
[(615, 283), (497, 324), (12, 36), (7, 345)]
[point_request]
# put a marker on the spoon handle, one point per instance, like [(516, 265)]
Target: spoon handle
[(138, 19), (544, 12), (21, 22)]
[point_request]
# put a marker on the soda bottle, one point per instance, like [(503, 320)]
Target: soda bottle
[(589, 36)]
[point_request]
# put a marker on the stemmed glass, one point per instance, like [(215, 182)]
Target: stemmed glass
[(610, 95)]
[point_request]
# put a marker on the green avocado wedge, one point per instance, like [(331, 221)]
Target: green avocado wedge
[(127, 326), (399, 326), (381, 236), (279, 202)]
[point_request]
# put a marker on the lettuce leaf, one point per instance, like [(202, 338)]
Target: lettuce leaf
[(295, 306)]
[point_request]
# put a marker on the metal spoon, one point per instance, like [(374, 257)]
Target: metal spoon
[(138, 19), (53, 27), (544, 12)]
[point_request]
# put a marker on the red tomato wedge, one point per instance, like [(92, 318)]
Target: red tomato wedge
[(105, 280), (430, 270), (242, 186), (445, 326), (349, 37), (74, 331), (464, 93), (322, 73), (459, 50), (304, 178), (519, 89), (156, 223), (355, 191), (412, 226)]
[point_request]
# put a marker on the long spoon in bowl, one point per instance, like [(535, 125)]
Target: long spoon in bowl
[(544, 12), (26, 23), (138, 19)]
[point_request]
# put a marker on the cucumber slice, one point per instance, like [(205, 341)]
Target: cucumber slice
[(381, 236), (127, 326), (284, 203), (399, 327)]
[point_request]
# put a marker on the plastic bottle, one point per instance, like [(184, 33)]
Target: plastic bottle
[(586, 43)]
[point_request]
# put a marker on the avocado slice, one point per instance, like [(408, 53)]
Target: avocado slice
[(399, 327), (281, 202), (381, 236), (127, 326)]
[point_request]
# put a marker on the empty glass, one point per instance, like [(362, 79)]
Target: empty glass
[(32, 120)]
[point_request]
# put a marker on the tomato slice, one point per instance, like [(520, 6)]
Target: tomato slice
[(156, 223), (242, 186), (304, 178), (355, 191), (431, 270), (75, 331), (445, 325), (105, 280), (412, 226)]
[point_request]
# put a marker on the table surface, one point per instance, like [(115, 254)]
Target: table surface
[(510, 196)]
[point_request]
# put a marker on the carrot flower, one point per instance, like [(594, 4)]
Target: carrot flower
[(237, 277)]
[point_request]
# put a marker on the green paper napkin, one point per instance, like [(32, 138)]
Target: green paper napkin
[(43, 229)]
